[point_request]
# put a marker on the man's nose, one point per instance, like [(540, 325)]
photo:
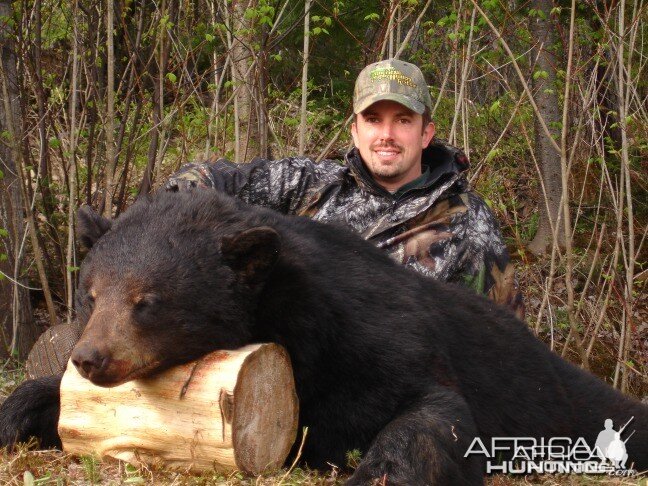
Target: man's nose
[(386, 131)]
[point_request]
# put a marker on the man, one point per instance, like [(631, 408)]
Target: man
[(399, 188)]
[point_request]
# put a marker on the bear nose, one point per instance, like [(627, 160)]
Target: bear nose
[(88, 361)]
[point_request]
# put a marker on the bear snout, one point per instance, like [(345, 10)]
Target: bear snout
[(89, 361)]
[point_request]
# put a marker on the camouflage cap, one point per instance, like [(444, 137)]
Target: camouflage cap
[(393, 80)]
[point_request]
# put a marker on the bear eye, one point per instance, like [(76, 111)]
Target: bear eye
[(146, 301)]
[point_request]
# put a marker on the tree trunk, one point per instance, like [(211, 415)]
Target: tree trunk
[(244, 74), (111, 156), (304, 82), (543, 31), (16, 320), (163, 51)]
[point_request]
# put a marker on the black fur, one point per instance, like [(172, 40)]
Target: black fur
[(32, 410), (401, 367)]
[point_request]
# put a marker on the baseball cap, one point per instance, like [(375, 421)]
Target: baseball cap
[(393, 80)]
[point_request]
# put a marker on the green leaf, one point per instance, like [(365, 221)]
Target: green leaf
[(3, 257), (73, 269), (44, 480), (494, 108), (28, 478), (317, 31), (372, 16), (209, 37), (250, 14), (492, 154), (540, 74), (1, 175), (171, 77), (4, 233), (54, 142)]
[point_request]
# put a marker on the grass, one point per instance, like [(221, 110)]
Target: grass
[(26, 468)]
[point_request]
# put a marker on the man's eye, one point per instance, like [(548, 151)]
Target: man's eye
[(406, 120)]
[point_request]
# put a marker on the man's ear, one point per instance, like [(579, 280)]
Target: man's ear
[(428, 134), (354, 133), (90, 226), (252, 253)]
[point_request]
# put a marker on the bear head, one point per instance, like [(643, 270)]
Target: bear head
[(172, 279)]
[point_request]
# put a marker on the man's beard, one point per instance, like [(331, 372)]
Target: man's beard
[(386, 171)]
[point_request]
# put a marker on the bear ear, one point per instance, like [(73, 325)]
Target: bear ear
[(252, 253), (90, 226)]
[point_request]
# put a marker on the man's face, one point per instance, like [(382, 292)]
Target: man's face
[(390, 138)]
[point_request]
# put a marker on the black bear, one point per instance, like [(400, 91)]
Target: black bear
[(407, 370)]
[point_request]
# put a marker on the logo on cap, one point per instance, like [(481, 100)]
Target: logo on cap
[(391, 74)]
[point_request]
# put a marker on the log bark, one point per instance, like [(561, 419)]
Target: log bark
[(230, 410)]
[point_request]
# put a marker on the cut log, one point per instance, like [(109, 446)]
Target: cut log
[(52, 350), (230, 410)]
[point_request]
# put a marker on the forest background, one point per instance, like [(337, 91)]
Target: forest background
[(101, 101)]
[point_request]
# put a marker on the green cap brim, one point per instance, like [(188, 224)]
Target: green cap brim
[(406, 101)]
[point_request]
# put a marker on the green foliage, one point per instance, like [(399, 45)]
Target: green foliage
[(262, 14), (353, 458), (91, 468), (30, 480), (133, 475)]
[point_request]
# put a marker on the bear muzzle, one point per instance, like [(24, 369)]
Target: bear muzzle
[(89, 361), (100, 367)]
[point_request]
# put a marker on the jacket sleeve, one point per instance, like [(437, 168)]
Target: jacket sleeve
[(283, 185), (488, 268)]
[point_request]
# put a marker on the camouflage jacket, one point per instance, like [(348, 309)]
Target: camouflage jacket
[(442, 229)]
